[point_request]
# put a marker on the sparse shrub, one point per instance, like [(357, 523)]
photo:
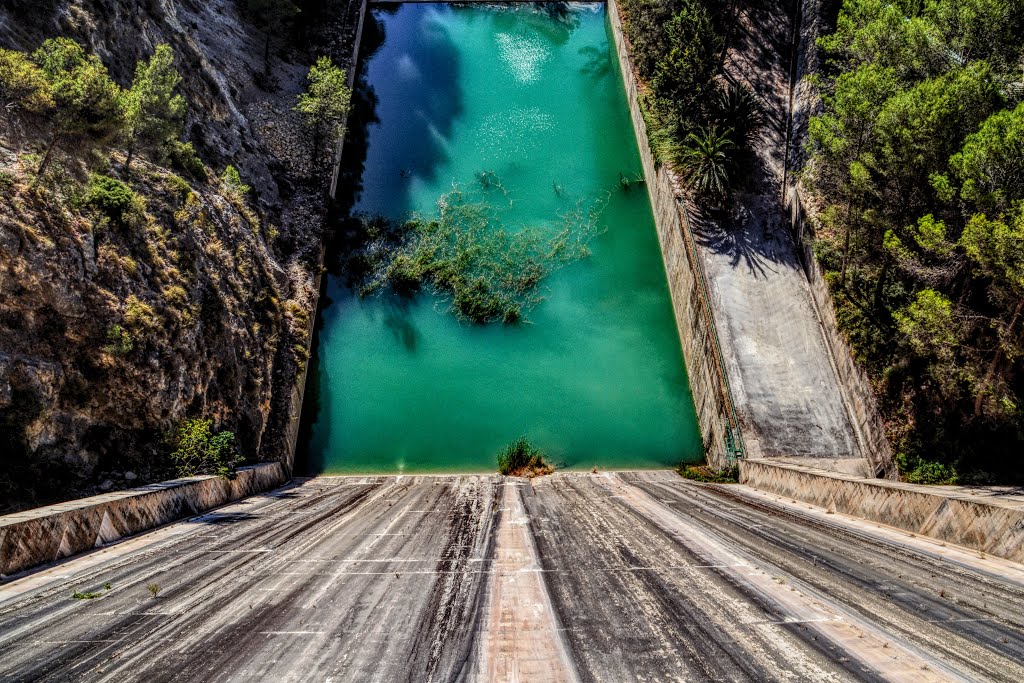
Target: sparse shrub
[(233, 182), (6, 181), (140, 316), (178, 186), (709, 475), (119, 341), (197, 450), (153, 588), (176, 296), (521, 458), (110, 197), (182, 156)]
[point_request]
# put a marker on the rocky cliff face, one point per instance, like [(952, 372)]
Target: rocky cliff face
[(215, 289)]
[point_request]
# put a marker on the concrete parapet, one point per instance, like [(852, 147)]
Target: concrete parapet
[(987, 519), (46, 534)]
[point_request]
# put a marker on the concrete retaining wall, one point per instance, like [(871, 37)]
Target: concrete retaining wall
[(853, 381), (693, 313), (299, 388), (990, 520), (35, 537)]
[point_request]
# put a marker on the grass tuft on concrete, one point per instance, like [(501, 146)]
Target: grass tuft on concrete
[(709, 475), (521, 459)]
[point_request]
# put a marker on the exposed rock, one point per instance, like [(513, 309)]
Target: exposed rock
[(212, 271)]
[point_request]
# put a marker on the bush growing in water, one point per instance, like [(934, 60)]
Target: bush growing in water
[(487, 272), (520, 458), (197, 450)]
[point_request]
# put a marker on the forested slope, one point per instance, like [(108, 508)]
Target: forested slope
[(917, 167)]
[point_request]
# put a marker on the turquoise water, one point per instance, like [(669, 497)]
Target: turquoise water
[(596, 376)]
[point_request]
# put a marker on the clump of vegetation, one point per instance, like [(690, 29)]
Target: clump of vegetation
[(522, 459), (198, 450), (709, 475), (324, 106), (154, 589), (918, 157), (119, 341), (183, 157), (233, 184), (487, 272), (111, 197), (84, 595)]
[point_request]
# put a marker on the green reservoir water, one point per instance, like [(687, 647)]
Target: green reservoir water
[(595, 377)]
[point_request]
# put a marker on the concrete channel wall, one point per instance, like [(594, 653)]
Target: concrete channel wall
[(854, 384), (986, 519), (697, 334), (299, 388), (46, 534)]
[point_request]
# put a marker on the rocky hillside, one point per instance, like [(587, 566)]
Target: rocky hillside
[(192, 298)]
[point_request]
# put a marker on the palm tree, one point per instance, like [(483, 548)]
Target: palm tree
[(735, 106), (706, 163)]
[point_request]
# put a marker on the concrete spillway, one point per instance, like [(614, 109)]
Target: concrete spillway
[(613, 577)]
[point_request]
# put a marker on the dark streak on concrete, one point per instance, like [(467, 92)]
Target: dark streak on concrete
[(388, 578)]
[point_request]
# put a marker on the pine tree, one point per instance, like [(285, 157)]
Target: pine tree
[(325, 103), (153, 113), (88, 102)]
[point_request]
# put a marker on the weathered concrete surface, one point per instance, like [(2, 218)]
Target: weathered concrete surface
[(988, 519), (45, 534), (782, 371), (853, 380), (609, 577)]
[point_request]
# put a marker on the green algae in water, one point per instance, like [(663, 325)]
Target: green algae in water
[(596, 377)]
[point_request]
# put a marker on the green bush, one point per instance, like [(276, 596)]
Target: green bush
[(709, 475), (6, 181), (520, 458), (917, 470), (197, 450), (119, 341), (233, 182), (110, 197), (182, 157)]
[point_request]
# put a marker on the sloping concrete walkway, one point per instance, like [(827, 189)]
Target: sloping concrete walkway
[(782, 376), (606, 577)]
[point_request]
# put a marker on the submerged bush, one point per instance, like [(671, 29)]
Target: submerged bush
[(521, 459), (487, 272)]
